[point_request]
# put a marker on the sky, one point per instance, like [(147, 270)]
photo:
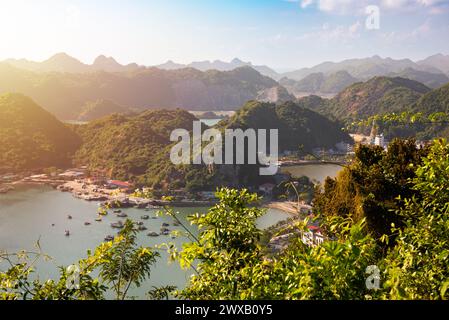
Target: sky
[(283, 34)]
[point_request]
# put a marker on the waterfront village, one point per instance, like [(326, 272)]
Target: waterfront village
[(116, 194)]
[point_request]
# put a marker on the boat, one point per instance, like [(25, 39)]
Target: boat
[(117, 211), (142, 228), (165, 232), (122, 215), (150, 206), (67, 233), (117, 225), (109, 238), (98, 219), (87, 223), (153, 234), (69, 217), (165, 224), (145, 217), (140, 223), (153, 217)]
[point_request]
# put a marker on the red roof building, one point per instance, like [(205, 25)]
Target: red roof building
[(119, 184)]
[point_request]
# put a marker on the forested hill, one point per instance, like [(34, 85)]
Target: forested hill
[(435, 101), (376, 96), (65, 94), (97, 109), (298, 126), (31, 138)]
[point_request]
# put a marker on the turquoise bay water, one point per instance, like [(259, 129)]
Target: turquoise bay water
[(27, 215), (210, 122)]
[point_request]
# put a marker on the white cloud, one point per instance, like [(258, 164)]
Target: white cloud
[(338, 33), (306, 3), (335, 5), (357, 6)]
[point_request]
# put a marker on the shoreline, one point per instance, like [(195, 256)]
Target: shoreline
[(118, 199), (291, 163), (112, 197), (289, 208)]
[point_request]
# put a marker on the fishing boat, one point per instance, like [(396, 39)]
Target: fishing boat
[(117, 225), (109, 238), (153, 234)]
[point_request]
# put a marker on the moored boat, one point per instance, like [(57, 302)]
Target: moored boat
[(117, 225), (109, 238)]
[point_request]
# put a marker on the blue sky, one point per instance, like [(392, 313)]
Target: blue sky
[(285, 34)]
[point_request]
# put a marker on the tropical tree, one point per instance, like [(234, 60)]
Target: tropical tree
[(418, 266), (121, 264)]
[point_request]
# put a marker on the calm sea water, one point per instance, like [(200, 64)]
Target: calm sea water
[(27, 215), (315, 172), (210, 122)]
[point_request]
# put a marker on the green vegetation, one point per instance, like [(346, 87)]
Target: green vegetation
[(94, 110), (135, 147), (320, 83), (430, 79), (413, 265), (369, 188), (297, 125), (428, 118), (120, 263), (434, 101), (31, 138), (376, 96), (231, 262)]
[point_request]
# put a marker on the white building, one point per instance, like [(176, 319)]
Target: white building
[(379, 140)]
